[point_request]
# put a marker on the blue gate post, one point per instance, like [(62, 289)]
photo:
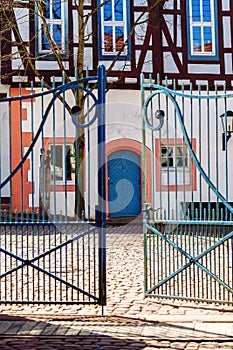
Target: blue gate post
[(101, 167), (144, 204)]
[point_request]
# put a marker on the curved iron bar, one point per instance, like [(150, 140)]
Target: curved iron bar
[(148, 124), (84, 125), (181, 94), (62, 89), (169, 93), (68, 86)]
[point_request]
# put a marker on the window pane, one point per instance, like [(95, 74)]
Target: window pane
[(207, 39), (118, 7), (47, 9), (53, 12), (70, 163), (197, 39), (108, 39), (45, 44), (181, 156), (57, 162), (175, 165), (179, 161), (56, 9), (167, 156), (163, 156), (108, 11), (119, 38), (57, 34), (113, 27), (174, 156), (196, 13), (206, 11)]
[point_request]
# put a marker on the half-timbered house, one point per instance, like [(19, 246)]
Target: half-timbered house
[(183, 44)]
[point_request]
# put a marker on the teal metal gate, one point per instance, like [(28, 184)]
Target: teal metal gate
[(188, 227), (49, 254)]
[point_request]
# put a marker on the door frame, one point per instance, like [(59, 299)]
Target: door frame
[(135, 147), (134, 207)]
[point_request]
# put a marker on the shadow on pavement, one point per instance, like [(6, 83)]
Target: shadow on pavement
[(24, 333), (40, 332)]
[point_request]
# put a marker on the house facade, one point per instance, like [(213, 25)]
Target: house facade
[(180, 44)]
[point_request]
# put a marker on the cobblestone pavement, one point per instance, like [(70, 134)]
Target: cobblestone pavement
[(129, 321)]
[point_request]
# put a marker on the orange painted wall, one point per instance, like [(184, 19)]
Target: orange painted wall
[(21, 188)]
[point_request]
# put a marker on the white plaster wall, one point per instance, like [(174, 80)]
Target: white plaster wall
[(227, 37), (208, 148), (204, 68), (140, 29), (140, 3), (123, 121), (88, 31), (50, 65), (228, 63), (225, 5), (169, 63), (22, 19), (54, 125), (119, 65)]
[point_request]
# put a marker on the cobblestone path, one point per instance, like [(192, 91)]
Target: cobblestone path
[(130, 321)]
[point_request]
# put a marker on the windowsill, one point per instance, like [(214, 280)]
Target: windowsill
[(50, 56), (202, 58), (122, 57)]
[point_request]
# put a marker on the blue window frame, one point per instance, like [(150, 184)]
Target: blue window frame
[(202, 29), (52, 19), (114, 27)]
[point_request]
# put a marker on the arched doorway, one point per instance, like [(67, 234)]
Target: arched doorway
[(124, 183)]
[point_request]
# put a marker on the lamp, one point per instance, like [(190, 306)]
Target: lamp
[(227, 127)]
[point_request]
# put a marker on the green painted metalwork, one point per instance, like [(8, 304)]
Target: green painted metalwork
[(188, 229)]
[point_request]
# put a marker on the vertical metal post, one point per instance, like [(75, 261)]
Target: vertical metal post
[(21, 151), (88, 154), (144, 205), (32, 155), (101, 167)]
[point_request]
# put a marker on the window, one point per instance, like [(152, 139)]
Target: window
[(63, 162), (51, 25), (114, 28), (202, 27), (175, 170), (174, 156)]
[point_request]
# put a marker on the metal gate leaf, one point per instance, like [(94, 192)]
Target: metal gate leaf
[(48, 254), (188, 227)]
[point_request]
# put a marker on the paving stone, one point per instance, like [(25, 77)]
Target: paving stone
[(15, 327), (125, 301), (26, 327), (4, 326)]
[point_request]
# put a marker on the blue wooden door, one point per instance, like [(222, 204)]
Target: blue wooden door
[(124, 193)]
